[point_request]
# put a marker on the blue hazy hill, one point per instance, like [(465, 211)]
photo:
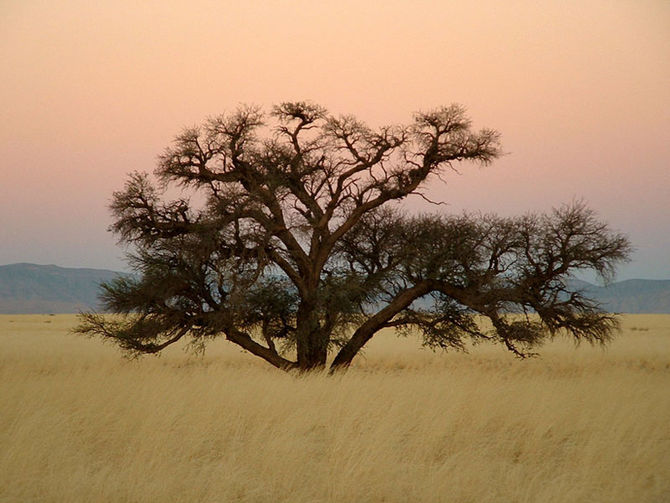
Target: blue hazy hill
[(37, 289)]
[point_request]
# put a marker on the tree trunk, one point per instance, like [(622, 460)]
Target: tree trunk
[(311, 342)]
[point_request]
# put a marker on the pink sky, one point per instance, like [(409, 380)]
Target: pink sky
[(580, 91)]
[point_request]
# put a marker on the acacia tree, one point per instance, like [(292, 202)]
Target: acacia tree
[(287, 240)]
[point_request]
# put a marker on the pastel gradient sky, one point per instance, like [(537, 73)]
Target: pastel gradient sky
[(580, 91)]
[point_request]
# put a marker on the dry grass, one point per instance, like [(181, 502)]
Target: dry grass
[(80, 424)]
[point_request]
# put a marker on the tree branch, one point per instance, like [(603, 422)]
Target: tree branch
[(246, 342)]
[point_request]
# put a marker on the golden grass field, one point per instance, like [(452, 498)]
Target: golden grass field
[(79, 423)]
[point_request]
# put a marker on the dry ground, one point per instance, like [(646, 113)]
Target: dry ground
[(80, 424)]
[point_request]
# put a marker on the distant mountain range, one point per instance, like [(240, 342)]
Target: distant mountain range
[(631, 296), (34, 289)]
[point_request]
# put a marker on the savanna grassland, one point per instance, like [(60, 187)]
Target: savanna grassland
[(78, 423)]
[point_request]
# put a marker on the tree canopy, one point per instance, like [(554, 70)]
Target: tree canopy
[(288, 240)]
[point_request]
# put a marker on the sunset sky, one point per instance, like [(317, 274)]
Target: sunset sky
[(580, 91)]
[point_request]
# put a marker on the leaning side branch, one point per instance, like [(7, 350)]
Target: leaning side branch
[(517, 273)]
